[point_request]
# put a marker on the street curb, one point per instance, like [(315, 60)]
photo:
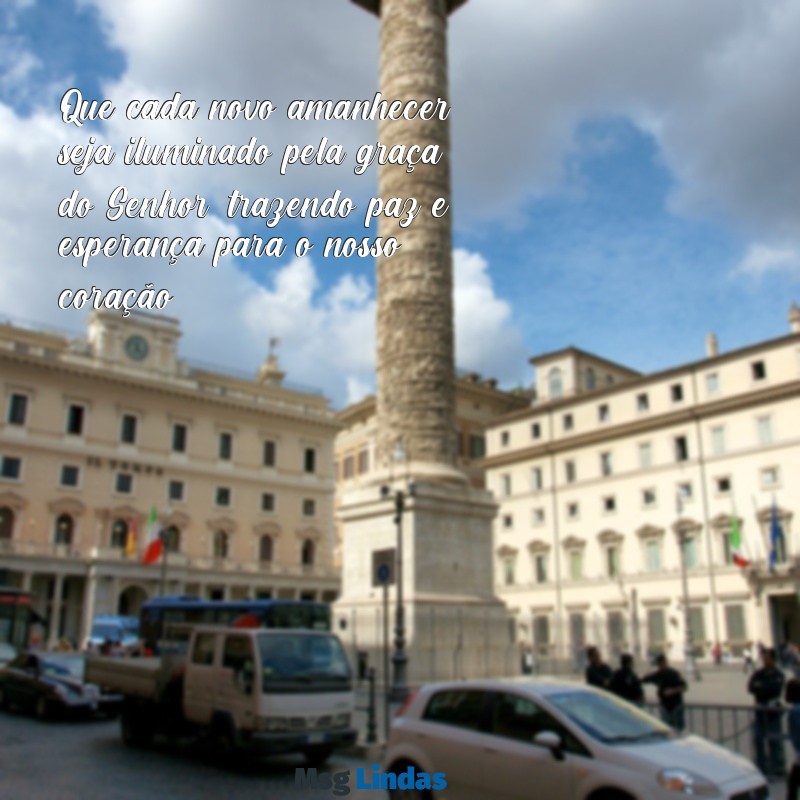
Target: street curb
[(366, 752)]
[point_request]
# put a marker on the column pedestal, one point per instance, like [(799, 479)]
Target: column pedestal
[(454, 625)]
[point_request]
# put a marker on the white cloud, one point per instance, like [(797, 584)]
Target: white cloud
[(713, 82), (327, 329), (760, 259), (487, 340)]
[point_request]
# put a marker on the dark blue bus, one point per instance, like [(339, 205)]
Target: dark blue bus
[(166, 622)]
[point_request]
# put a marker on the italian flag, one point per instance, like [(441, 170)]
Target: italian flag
[(736, 544), (155, 546)]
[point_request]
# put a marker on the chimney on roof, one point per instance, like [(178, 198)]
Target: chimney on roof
[(794, 318), (712, 346)]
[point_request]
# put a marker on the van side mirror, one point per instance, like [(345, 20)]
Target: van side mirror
[(552, 741), (244, 677)]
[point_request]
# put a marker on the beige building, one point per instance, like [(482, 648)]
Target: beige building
[(614, 487), (96, 432), (478, 402)]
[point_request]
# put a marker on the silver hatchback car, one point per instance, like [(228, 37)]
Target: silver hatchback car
[(549, 739)]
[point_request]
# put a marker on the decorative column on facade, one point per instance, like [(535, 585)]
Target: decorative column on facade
[(89, 602), (55, 611)]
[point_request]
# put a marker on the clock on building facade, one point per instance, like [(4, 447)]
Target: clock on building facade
[(136, 348)]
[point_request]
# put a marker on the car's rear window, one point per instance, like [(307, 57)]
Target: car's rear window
[(461, 707)]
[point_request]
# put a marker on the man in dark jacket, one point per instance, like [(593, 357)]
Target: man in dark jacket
[(625, 682), (766, 686), (671, 686), (597, 673)]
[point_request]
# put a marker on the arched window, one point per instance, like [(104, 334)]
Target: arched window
[(172, 539), (65, 525), (265, 547), (119, 533), (220, 544), (555, 383), (6, 522), (307, 553)]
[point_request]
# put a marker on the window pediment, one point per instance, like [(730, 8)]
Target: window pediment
[(125, 512), (764, 515), (573, 543), (686, 525), (506, 552), (66, 505), (267, 529), (309, 533), (722, 522), (649, 532), (223, 524), (538, 546), (176, 519), (609, 537), (16, 502)]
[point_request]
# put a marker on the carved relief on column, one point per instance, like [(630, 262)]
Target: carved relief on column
[(416, 376)]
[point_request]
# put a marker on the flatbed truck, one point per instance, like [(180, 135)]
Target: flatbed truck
[(270, 691)]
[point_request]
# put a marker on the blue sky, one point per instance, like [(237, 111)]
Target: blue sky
[(625, 176)]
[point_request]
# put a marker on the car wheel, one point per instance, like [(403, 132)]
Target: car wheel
[(42, 709), (317, 756), (136, 730), (408, 794), (226, 748)]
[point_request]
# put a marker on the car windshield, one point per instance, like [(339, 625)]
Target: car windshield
[(106, 632), (301, 658), (609, 719), (7, 652), (64, 665)]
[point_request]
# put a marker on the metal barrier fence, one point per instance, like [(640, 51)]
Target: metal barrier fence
[(734, 727)]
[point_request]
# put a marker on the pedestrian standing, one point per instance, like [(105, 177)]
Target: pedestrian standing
[(671, 687), (766, 686), (625, 682), (749, 657), (792, 697), (598, 673), (527, 661)]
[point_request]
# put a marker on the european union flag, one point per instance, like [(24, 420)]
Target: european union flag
[(775, 538)]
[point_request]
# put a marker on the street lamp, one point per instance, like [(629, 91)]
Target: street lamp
[(682, 533), (399, 690)]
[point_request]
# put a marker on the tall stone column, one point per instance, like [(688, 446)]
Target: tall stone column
[(415, 364), (433, 526)]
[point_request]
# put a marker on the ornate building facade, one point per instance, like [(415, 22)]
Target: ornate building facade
[(624, 499), (99, 433)]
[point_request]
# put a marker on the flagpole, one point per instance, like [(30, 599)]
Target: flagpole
[(690, 664), (760, 529), (163, 589)]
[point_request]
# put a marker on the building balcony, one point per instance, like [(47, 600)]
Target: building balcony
[(49, 552)]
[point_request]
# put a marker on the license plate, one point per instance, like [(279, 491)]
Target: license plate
[(315, 738)]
